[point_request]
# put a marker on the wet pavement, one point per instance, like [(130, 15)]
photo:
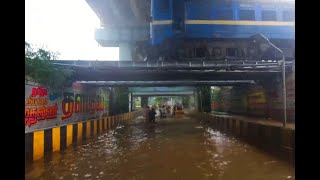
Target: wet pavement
[(171, 149)]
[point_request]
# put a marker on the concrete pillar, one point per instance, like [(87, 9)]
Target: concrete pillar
[(192, 103), (204, 98), (144, 101), (125, 52), (130, 102), (111, 102), (196, 100)]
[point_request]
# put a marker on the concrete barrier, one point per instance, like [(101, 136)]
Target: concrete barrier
[(274, 139), (44, 142)]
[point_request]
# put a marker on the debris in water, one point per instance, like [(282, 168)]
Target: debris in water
[(268, 162)]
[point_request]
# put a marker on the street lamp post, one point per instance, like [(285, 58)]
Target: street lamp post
[(200, 101), (262, 39)]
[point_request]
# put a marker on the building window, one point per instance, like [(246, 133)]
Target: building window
[(268, 16), (164, 5), (224, 15), (287, 16), (247, 15), (232, 52), (217, 52), (200, 52), (242, 53)]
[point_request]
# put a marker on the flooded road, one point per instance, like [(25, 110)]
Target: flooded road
[(172, 149)]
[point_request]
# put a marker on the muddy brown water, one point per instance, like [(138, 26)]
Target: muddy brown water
[(171, 149)]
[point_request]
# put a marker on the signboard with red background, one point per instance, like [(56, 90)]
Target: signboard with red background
[(45, 108)]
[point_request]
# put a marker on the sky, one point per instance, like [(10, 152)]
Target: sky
[(67, 27)]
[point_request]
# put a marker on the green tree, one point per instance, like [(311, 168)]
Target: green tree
[(185, 101), (161, 100), (144, 101), (39, 68)]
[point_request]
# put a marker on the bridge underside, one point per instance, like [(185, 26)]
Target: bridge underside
[(162, 94), (162, 83), (162, 91), (192, 72), (127, 75)]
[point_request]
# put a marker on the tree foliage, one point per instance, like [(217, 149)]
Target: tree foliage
[(39, 68), (185, 101), (161, 100)]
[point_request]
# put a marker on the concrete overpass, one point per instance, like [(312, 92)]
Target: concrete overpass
[(123, 23), (161, 73), (162, 91)]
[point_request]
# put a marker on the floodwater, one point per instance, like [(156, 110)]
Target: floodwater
[(181, 149)]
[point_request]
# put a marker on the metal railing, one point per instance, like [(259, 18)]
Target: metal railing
[(209, 64)]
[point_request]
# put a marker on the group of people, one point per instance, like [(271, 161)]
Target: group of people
[(150, 114), (164, 111)]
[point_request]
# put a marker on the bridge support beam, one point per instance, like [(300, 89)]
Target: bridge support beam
[(192, 104), (144, 101), (196, 101), (119, 100), (130, 102), (111, 102), (125, 52), (122, 37), (204, 99)]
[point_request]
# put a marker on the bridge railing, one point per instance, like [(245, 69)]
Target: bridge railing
[(159, 64)]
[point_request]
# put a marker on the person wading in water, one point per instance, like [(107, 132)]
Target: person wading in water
[(152, 115)]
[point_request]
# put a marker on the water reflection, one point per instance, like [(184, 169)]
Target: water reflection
[(171, 149)]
